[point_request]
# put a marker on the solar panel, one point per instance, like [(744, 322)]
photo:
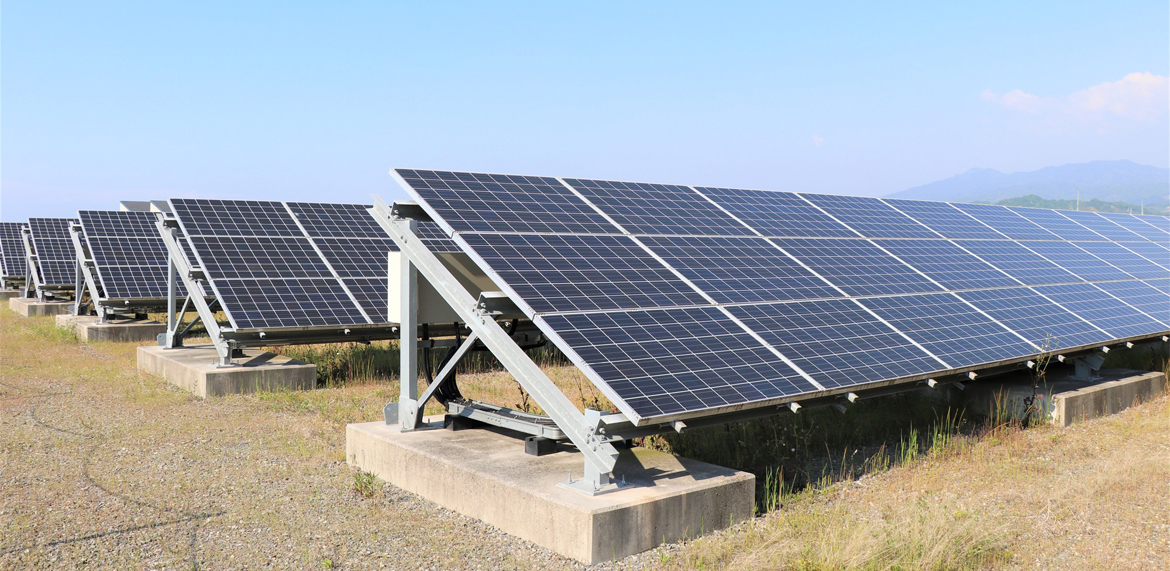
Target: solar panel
[(1137, 226), (1151, 251), (950, 328), (836, 341), (1019, 262), (476, 202), (1162, 284), (1113, 315), (1120, 256), (1007, 222), (1143, 296), (293, 277), (1160, 222), (56, 259), (13, 263), (1055, 222), (870, 217), (658, 208), (581, 273), (947, 264), (944, 219), (856, 266), (739, 270), (1036, 318), (1103, 226), (669, 361), (1077, 261), (129, 255), (777, 214)]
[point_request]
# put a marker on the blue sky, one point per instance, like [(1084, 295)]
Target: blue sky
[(316, 101)]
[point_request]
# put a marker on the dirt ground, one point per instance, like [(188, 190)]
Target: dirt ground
[(104, 467)]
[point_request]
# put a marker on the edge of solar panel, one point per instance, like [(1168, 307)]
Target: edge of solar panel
[(13, 259), (148, 278), (59, 252)]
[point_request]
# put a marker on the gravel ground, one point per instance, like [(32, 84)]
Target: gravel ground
[(103, 467)]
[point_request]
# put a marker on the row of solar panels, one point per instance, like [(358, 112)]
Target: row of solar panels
[(680, 301), (676, 300)]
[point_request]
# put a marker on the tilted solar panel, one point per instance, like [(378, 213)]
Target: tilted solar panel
[(56, 259), (13, 263), (1137, 226), (1160, 222), (1151, 251), (130, 258), (1143, 296), (770, 269), (1103, 226)]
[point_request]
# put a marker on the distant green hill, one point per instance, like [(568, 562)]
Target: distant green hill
[(1093, 205)]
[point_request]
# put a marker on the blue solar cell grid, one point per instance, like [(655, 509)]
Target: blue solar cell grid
[(1003, 220), (950, 328), (1137, 226), (475, 202), (944, 219), (642, 208), (777, 214), (1055, 222), (1077, 261), (1119, 255), (739, 270), (947, 264), (836, 342), (12, 255), (129, 254), (1151, 251), (208, 217), (1106, 227), (1019, 262), (856, 266), (56, 257), (663, 362), (1143, 296), (1036, 318), (1115, 316), (582, 273), (870, 217)]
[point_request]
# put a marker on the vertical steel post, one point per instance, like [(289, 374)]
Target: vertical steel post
[(408, 414), (78, 281), (172, 293)]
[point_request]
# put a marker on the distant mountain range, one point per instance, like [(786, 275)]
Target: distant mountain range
[(1109, 181)]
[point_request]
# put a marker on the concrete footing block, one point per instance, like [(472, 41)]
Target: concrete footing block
[(89, 329), (486, 475), (1065, 400), (195, 369), (32, 307)]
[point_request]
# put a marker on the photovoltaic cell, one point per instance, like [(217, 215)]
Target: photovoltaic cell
[(1128, 261), (372, 294), (1039, 320), (1103, 310), (777, 214), (663, 362), (56, 258), (208, 217), (1137, 226), (476, 202), (950, 329), (1077, 261), (1151, 251), (870, 217), (1162, 285), (129, 255), (947, 264), (582, 273), (257, 257), (263, 304), (856, 266), (1007, 222), (1019, 262), (1143, 296), (12, 256), (836, 342), (1103, 226), (739, 270), (944, 218), (357, 257), (643, 208), (1160, 222), (1053, 221)]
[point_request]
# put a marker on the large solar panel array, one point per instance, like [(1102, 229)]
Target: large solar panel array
[(681, 301), (130, 258), (56, 259), (13, 263), (295, 264)]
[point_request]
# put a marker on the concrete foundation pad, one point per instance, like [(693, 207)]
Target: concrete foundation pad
[(89, 328), (32, 307), (194, 369), (1065, 400), (485, 474), (6, 294)]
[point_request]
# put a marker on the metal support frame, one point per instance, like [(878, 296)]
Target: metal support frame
[(178, 269), (1085, 367), (586, 431), (85, 279), (32, 279)]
